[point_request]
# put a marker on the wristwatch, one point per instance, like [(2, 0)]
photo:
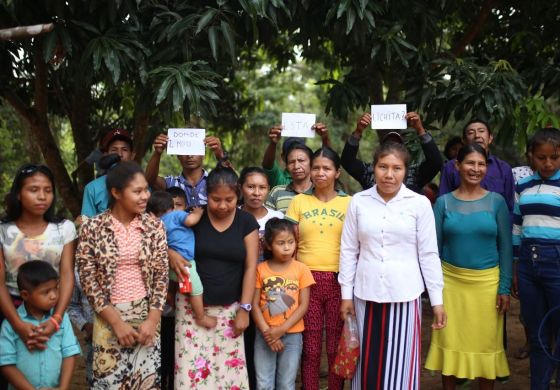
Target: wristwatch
[(246, 306), (224, 157)]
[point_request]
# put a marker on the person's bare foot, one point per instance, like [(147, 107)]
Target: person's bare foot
[(208, 322)]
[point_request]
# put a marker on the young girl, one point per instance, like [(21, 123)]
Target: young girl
[(122, 263), (536, 239), (280, 302), (253, 183), (320, 214), (31, 231), (226, 247)]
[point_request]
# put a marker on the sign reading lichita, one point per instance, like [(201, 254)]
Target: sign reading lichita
[(186, 142), (388, 116)]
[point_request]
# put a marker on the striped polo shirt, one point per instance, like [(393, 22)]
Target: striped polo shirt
[(536, 214)]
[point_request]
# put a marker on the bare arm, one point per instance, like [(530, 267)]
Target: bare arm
[(152, 168), (66, 278), (25, 330), (194, 217), (16, 378), (66, 372), (323, 132), (66, 287), (251, 242), (270, 152), (258, 317)]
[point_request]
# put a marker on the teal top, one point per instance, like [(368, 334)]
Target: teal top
[(41, 368), (476, 234), (96, 197)]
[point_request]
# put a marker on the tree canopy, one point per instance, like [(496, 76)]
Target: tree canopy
[(149, 65)]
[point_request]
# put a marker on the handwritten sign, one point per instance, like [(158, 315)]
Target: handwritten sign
[(186, 142), (298, 125), (388, 116)]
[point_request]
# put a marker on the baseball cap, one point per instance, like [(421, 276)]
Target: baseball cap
[(291, 141), (392, 136), (114, 135)]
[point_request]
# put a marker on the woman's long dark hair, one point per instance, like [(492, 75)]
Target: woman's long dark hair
[(13, 204), (120, 176)]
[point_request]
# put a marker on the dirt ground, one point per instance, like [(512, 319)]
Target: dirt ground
[(519, 379)]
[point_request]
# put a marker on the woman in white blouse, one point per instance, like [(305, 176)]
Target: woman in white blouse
[(388, 250)]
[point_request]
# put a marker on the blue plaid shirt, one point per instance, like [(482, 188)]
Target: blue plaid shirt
[(196, 195)]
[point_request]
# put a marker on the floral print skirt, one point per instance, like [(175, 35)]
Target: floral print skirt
[(125, 368), (210, 359)]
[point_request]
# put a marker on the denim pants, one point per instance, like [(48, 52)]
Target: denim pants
[(277, 370), (538, 273)]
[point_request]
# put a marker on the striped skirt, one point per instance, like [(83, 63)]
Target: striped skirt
[(390, 345)]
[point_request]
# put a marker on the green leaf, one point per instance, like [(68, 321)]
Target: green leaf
[(343, 6), (213, 40), (86, 26), (112, 63), (350, 19), (229, 37), (49, 45), (205, 19), (369, 16)]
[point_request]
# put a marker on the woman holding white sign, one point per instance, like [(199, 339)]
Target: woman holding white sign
[(417, 175)]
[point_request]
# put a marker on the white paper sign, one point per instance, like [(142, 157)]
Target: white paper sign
[(186, 142), (298, 125), (388, 116)]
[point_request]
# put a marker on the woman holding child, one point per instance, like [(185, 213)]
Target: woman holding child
[(226, 250), (122, 263), (31, 231)]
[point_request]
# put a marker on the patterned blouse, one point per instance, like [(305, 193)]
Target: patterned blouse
[(129, 285), (97, 258)]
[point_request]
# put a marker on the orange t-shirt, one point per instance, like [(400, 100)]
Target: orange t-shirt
[(280, 292)]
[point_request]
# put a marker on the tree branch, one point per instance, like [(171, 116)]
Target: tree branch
[(475, 28)]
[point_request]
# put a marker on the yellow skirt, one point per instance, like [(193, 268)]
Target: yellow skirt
[(471, 346)]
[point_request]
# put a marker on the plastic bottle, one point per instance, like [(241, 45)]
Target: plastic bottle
[(351, 333), (185, 286)]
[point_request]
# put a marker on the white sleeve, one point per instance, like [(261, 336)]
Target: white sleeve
[(428, 255), (349, 252), (69, 233)]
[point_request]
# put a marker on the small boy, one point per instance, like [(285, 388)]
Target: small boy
[(179, 198), (180, 238), (39, 369)]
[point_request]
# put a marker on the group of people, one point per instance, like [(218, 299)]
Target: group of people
[(214, 280)]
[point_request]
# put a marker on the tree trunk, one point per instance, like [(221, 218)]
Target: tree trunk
[(80, 110), (475, 27), (140, 131), (37, 119)]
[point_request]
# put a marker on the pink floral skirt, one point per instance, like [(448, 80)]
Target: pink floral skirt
[(208, 358)]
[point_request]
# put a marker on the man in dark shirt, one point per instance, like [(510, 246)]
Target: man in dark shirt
[(498, 175), (418, 175)]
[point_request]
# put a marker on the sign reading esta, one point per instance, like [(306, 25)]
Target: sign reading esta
[(186, 142), (388, 116), (298, 125)]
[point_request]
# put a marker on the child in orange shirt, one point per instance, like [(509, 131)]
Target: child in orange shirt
[(280, 302)]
